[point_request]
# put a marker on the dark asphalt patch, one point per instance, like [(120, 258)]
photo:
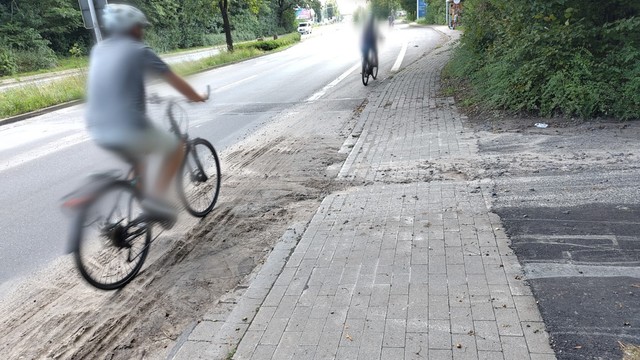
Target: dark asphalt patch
[(585, 316), (597, 234)]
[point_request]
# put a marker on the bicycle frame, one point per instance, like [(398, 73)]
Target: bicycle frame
[(200, 175), (174, 127)]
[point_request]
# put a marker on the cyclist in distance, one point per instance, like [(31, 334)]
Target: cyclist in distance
[(370, 38), (116, 115)]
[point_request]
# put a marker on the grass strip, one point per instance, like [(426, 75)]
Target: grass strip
[(24, 99), (27, 98), (69, 63), (192, 67)]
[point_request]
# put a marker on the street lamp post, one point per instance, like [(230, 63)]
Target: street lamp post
[(94, 19), (448, 15), (90, 10)]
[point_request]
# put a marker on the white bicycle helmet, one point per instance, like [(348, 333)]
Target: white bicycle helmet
[(119, 18)]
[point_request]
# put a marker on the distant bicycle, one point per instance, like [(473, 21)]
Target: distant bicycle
[(111, 234), (369, 66)]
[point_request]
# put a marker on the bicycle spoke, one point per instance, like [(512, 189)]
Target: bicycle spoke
[(113, 245), (200, 179)]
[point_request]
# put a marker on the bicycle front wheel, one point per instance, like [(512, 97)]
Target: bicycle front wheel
[(373, 63), (365, 72), (110, 237), (199, 179)]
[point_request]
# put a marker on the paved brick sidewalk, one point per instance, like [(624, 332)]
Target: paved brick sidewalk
[(408, 265)]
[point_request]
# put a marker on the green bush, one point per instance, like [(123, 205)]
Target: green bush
[(219, 39), (8, 64), (436, 12), (35, 59), (77, 51), (268, 45), (30, 51), (552, 57)]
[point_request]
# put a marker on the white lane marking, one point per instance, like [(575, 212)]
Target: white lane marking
[(13, 138), (47, 149), (335, 82), (554, 270), (222, 88), (403, 50)]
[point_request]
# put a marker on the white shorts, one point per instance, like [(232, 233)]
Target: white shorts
[(135, 145)]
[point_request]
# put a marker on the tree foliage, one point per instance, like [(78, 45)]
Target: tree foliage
[(436, 12), (332, 9), (381, 9), (31, 31), (571, 57), (410, 7)]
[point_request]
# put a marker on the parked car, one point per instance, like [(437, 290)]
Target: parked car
[(305, 28)]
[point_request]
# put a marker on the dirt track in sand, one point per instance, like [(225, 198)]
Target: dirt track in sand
[(273, 179)]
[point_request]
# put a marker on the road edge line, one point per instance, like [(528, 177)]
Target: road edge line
[(398, 63), (320, 93), (32, 114)]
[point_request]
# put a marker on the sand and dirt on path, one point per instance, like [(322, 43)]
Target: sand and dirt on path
[(275, 178)]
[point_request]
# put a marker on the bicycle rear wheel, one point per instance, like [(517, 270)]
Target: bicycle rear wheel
[(199, 180), (110, 239)]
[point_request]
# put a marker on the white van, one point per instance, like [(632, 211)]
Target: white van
[(305, 28)]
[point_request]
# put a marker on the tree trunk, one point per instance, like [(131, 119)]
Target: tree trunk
[(224, 7)]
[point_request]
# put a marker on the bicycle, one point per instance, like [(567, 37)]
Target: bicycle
[(369, 67), (108, 211)]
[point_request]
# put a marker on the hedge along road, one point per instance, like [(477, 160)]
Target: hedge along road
[(46, 157)]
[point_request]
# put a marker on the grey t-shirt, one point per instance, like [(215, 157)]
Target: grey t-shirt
[(116, 87)]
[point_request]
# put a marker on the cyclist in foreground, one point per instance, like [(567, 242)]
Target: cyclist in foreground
[(116, 110)]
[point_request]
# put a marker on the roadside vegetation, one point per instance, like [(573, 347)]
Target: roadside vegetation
[(550, 57), (436, 12), (43, 35), (63, 64), (29, 98)]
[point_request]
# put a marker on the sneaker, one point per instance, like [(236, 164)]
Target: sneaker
[(160, 211)]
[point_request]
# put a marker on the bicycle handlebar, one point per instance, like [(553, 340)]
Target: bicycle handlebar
[(154, 98)]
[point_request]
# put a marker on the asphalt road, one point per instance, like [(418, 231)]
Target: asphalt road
[(570, 203), (44, 158)]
